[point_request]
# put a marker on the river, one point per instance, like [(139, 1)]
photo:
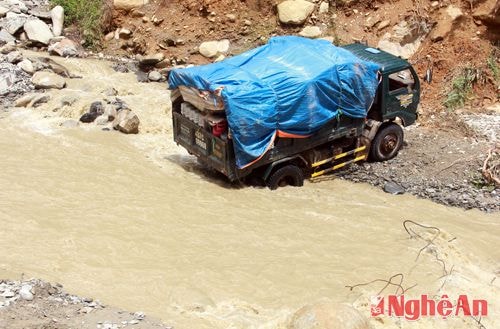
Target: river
[(135, 222)]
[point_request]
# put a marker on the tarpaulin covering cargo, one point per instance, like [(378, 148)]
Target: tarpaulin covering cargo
[(289, 87)]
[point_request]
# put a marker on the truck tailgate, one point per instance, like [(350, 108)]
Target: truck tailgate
[(210, 149)]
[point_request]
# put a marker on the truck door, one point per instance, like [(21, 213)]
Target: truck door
[(402, 93)]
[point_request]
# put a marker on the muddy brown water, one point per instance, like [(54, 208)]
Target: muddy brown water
[(135, 222)]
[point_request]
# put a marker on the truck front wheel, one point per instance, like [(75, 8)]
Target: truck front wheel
[(286, 175), (387, 143)]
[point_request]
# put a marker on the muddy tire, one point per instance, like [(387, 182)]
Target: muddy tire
[(387, 143), (287, 175)]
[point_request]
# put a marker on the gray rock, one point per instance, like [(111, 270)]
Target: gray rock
[(101, 120), (294, 12), (24, 100), (13, 80), (25, 292), (155, 76), (8, 293), (3, 11), (96, 107), (151, 60), (45, 15), (324, 7), (393, 188), (310, 32), (48, 80), (38, 100), (14, 57), (13, 23), (57, 14), (127, 122), (64, 48), (89, 117), (27, 66), (17, 3), (8, 48), (7, 80), (110, 112), (6, 37), (38, 31)]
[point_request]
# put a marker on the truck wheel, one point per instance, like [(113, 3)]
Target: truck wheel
[(287, 175), (387, 143)]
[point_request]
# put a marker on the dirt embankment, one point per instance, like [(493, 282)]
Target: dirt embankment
[(440, 38)]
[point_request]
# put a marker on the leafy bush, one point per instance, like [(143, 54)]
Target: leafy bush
[(87, 15), (461, 88), (493, 65)]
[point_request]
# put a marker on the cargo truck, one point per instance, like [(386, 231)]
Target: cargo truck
[(278, 117)]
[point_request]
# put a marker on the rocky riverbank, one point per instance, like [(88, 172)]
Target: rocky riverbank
[(34, 303), (437, 165)]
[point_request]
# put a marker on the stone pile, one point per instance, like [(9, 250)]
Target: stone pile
[(20, 75), (112, 114), (27, 290), (34, 24)]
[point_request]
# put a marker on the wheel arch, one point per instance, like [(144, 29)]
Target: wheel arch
[(296, 159)]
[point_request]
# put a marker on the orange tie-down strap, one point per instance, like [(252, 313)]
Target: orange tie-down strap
[(283, 134)]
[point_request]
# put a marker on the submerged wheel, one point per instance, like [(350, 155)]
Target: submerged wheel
[(387, 143), (287, 175)]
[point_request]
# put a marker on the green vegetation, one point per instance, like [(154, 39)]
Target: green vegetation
[(461, 88), (493, 65), (87, 15)]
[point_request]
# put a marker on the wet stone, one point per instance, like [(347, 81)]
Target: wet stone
[(393, 188)]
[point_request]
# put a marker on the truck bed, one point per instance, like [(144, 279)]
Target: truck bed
[(218, 152)]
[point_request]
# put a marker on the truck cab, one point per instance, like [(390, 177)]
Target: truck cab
[(398, 94)]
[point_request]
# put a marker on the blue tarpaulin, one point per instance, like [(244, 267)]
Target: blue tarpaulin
[(291, 86)]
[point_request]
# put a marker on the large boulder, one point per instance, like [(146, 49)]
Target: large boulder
[(294, 12), (57, 14), (48, 80), (38, 31), (214, 48), (404, 40), (449, 16), (488, 12), (328, 315), (127, 122), (129, 4)]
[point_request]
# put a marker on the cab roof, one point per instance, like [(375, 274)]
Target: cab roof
[(387, 62)]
